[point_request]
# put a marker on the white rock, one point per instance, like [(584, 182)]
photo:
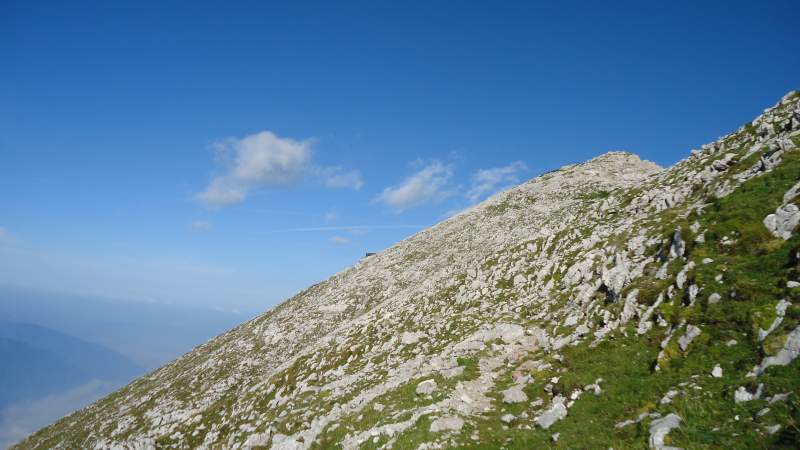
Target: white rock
[(454, 372), (426, 387), (408, 338), (716, 372), (743, 395), (447, 424), (677, 248), (556, 412), (791, 193), (780, 311), (783, 221), (691, 333), (282, 442), (257, 440), (514, 394), (661, 274), (660, 428), (790, 351), (667, 398), (779, 398)]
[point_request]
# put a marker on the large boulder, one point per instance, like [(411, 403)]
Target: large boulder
[(783, 221)]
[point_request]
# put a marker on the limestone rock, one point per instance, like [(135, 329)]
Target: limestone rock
[(514, 394), (677, 247), (743, 395), (789, 352), (447, 424), (408, 338), (556, 412), (426, 387), (659, 429), (691, 333), (783, 221)]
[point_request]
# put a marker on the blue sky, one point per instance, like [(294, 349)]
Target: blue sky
[(228, 154)]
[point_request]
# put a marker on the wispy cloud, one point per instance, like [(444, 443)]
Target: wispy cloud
[(341, 240), (429, 185), (489, 181), (201, 226), (338, 178), (348, 228), (330, 216), (266, 160), (223, 191)]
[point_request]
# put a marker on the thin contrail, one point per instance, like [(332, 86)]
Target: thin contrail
[(338, 228)]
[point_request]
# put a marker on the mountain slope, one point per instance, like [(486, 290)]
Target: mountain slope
[(605, 304)]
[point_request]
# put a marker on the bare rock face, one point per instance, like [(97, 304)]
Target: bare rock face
[(498, 325)]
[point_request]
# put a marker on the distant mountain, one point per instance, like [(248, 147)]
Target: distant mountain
[(39, 361), (151, 334), (607, 304), (29, 372)]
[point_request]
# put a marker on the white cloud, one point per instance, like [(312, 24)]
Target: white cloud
[(341, 240), (201, 226), (222, 192), (488, 181), (259, 160), (266, 160), (427, 186), (331, 216), (338, 178)]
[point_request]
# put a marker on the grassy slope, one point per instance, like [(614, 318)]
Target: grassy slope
[(755, 270)]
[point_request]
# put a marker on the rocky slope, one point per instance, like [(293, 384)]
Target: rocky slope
[(606, 304)]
